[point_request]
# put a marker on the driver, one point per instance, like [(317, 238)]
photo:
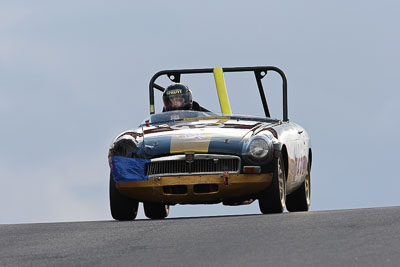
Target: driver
[(178, 96)]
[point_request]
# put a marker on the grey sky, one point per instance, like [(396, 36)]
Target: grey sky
[(74, 74)]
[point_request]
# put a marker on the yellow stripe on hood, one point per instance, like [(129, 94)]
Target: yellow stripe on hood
[(182, 143)]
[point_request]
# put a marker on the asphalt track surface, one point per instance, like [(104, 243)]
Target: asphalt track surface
[(363, 237)]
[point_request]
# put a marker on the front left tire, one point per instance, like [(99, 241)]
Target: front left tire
[(272, 200), (122, 207)]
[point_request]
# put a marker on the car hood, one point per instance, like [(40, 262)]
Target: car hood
[(200, 136)]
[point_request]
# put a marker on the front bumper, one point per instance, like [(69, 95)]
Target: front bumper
[(195, 189)]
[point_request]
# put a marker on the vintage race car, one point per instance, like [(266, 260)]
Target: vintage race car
[(197, 157)]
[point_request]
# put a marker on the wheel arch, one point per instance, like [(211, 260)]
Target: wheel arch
[(285, 157)]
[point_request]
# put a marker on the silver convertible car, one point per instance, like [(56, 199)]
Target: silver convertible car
[(202, 157)]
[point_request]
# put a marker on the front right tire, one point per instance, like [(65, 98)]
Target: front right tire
[(122, 207)]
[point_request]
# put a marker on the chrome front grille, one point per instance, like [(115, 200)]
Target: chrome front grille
[(202, 164)]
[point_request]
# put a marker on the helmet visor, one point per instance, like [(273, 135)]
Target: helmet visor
[(177, 101)]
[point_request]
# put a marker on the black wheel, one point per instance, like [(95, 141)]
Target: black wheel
[(300, 199), (122, 207), (155, 210), (272, 200)]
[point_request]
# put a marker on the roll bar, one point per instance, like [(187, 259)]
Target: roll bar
[(259, 71)]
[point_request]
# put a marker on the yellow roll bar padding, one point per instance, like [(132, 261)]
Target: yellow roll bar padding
[(221, 90)]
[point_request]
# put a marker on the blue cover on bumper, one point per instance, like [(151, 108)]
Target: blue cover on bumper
[(128, 169)]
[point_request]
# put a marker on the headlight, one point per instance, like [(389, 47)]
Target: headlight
[(125, 146), (258, 148)]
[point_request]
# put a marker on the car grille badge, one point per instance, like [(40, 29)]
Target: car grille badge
[(189, 157)]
